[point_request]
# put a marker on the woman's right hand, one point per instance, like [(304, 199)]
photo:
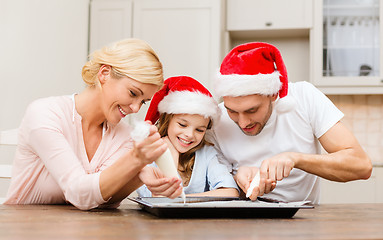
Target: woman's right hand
[(151, 148), (160, 185), (173, 150)]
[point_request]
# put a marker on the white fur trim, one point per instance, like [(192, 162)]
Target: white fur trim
[(186, 102), (285, 104), (241, 85)]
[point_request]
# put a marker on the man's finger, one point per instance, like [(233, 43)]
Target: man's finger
[(254, 194)]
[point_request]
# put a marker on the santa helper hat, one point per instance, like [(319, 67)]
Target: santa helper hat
[(182, 95), (255, 68)]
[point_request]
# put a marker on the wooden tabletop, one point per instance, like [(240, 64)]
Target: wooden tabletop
[(346, 221)]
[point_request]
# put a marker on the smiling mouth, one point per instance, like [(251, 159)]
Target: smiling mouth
[(184, 141), (122, 111), (248, 129)]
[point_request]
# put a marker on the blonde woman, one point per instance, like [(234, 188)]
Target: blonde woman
[(75, 149)]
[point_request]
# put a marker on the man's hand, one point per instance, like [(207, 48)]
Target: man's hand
[(277, 167), (158, 184), (244, 177)]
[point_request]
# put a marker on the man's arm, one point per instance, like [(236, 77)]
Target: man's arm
[(345, 161)]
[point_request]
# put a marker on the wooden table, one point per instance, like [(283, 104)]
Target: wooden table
[(347, 221)]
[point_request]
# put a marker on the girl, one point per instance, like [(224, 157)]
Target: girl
[(185, 110)]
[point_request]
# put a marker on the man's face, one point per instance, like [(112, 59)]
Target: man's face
[(250, 112)]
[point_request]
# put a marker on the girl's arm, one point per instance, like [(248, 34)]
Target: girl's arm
[(158, 184)]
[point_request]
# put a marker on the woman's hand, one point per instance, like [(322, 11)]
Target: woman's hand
[(158, 184), (151, 148), (173, 150)]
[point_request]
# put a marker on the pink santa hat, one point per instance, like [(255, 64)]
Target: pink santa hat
[(254, 68), (182, 95)]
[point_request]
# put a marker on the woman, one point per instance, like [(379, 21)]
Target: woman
[(75, 149), (184, 110)]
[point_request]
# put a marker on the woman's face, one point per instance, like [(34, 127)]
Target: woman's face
[(123, 96), (186, 131)]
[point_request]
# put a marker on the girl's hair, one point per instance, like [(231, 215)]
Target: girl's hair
[(132, 58), (186, 160)]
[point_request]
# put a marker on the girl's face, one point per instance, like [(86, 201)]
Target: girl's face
[(123, 96), (186, 131)]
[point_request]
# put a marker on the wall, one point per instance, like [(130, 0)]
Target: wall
[(363, 116), (43, 46)]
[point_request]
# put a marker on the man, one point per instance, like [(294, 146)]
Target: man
[(276, 128)]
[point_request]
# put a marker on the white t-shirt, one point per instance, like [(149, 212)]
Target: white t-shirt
[(295, 131)]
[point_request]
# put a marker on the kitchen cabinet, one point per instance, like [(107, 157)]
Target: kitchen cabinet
[(109, 21), (186, 35), (346, 46), (269, 21), (272, 14)]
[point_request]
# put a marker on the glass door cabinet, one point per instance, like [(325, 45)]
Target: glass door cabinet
[(348, 46)]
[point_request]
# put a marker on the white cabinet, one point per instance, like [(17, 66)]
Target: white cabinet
[(186, 35), (285, 24), (109, 21), (271, 14), (346, 46)]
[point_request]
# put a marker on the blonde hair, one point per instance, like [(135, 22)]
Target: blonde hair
[(187, 159), (133, 58)]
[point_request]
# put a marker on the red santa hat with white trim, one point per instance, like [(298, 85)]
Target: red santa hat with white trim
[(183, 95), (255, 68)]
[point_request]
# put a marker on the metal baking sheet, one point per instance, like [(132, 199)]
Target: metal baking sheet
[(218, 207)]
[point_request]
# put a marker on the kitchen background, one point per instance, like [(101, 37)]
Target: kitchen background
[(334, 44)]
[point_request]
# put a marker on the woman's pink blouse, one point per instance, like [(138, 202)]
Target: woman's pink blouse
[(51, 165)]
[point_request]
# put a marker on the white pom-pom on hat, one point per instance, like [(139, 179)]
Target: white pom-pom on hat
[(286, 104)]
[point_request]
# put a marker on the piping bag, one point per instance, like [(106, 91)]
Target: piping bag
[(165, 162), (253, 184)]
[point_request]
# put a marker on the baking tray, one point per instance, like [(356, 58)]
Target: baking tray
[(218, 207)]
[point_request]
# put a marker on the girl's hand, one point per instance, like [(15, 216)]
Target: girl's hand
[(158, 184), (151, 148)]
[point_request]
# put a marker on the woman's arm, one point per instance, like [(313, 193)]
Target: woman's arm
[(121, 178)]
